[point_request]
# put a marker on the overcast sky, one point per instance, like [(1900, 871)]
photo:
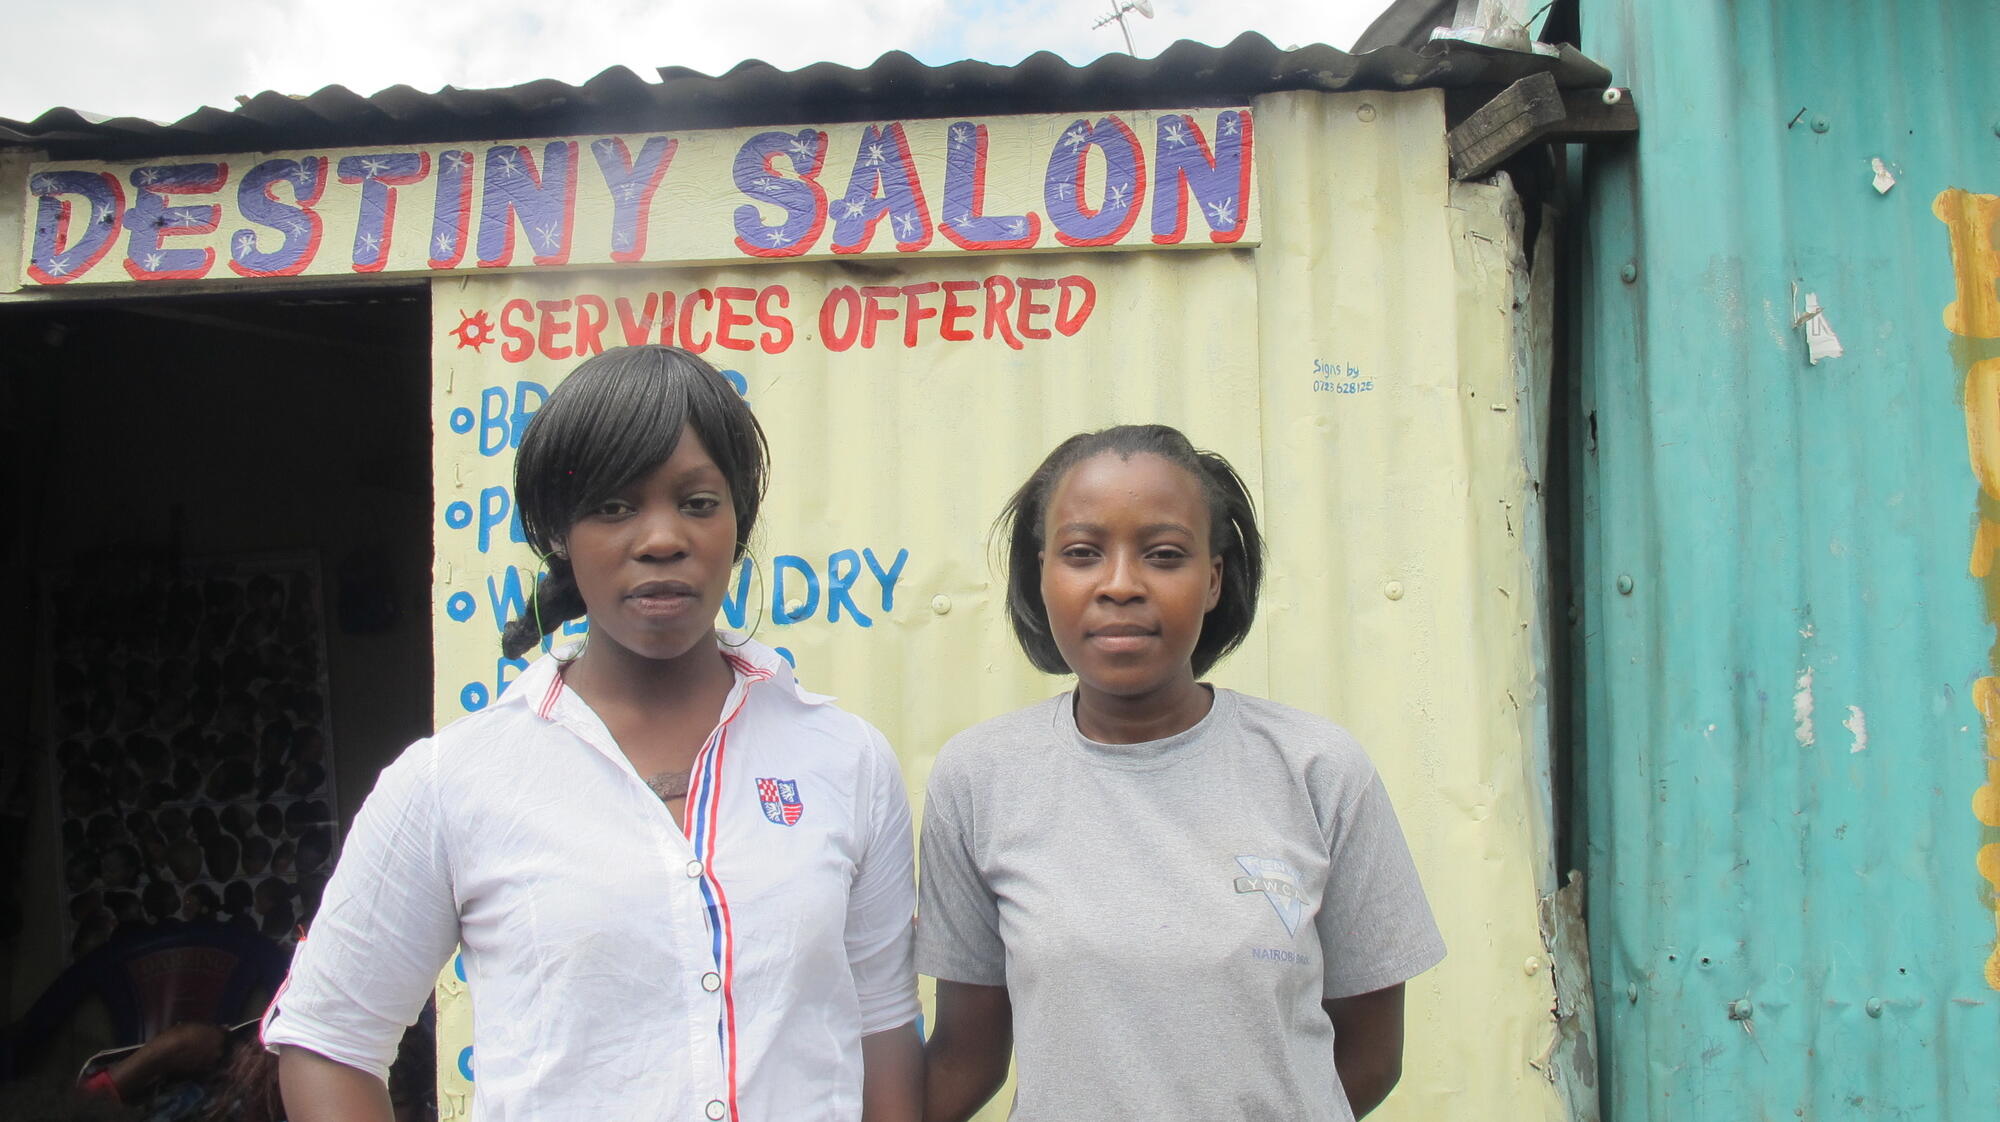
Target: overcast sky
[(146, 58)]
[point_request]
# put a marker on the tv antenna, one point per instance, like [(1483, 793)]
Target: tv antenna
[(1143, 7)]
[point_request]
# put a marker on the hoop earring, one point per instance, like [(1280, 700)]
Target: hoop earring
[(758, 571)]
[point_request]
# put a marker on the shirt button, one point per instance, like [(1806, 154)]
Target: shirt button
[(716, 1110), (694, 868), (711, 981)]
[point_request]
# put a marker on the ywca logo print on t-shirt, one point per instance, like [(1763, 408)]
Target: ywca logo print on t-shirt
[(781, 800), (1279, 883)]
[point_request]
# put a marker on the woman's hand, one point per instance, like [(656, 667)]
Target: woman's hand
[(317, 1089), (965, 1060), (1368, 1045)]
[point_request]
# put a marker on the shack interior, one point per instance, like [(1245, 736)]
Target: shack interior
[(229, 500)]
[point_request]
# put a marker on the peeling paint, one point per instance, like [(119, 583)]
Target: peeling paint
[(1972, 220), (1857, 723), (1802, 709)]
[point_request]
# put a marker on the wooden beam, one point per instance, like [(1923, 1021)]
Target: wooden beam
[(1505, 125), (1532, 110)]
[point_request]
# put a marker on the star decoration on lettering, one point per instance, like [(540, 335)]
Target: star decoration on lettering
[(1117, 192), (372, 167), (474, 330), (1075, 137), (1063, 189), (370, 243), (458, 161), (153, 261), (42, 185), (604, 147), (906, 227), (964, 219), (547, 236), (445, 244), (246, 244), (852, 208), (188, 216), (507, 165), (622, 240), (296, 228), (775, 186), (960, 135), (872, 155), (1229, 126), (762, 183), (58, 265), (1224, 211), (148, 176), (1017, 226), (628, 191), (301, 176), (778, 236), (1174, 133), (801, 148)]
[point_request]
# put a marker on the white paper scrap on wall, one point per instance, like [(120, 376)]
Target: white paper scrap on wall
[(1821, 342), (1884, 178)]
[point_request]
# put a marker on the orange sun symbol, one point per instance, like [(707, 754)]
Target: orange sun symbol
[(473, 330)]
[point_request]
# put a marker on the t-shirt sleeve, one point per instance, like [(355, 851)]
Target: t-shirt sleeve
[(958, 917), (1375, 927), (883, 898), (386, 925)]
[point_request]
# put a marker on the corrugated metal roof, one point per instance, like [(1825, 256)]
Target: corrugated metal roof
[(1779, 638), (752, 93)]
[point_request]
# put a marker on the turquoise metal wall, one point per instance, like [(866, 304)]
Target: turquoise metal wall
[(1777, 637)]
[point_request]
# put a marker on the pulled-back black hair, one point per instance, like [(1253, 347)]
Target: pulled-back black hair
[(616, 417), (1232, 536)]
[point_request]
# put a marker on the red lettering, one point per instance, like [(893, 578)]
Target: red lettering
[(914, 313), (727, 318), (996, 309), (834, 339), (873, 313), (590, 328), (1067, 321), (553, 328), (523, 343), (1030, 307), (687, 317), (666, 319), (955, 310), (637, 330), (779, 337)]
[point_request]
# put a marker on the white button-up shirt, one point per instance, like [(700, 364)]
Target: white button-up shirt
[(620, 966)]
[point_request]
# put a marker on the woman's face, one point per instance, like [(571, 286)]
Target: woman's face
[(1127, 575), (652, 561)]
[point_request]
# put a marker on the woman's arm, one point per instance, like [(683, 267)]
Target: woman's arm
[(965, 1060), (892, 1075), (317, 1089), (1367, 1045)]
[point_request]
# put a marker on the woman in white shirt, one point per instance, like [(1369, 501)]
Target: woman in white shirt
[(683, 885)]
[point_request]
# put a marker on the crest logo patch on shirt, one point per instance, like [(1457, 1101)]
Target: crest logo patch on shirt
[(780, 798), (1279, 883)]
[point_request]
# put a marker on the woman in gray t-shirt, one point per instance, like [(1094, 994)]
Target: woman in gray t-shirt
[(1171, 901)]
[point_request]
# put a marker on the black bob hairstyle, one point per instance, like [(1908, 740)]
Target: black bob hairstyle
[(616, 417), (1232, 536)]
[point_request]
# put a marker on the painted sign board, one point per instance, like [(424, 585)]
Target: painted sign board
[(1167, 178)]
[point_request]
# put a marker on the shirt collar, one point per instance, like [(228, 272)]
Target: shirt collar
[(538, 685)]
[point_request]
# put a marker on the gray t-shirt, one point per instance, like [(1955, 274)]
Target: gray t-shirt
[(1167, 917)]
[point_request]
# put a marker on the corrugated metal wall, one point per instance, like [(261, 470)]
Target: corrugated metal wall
[(1778, 637)]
